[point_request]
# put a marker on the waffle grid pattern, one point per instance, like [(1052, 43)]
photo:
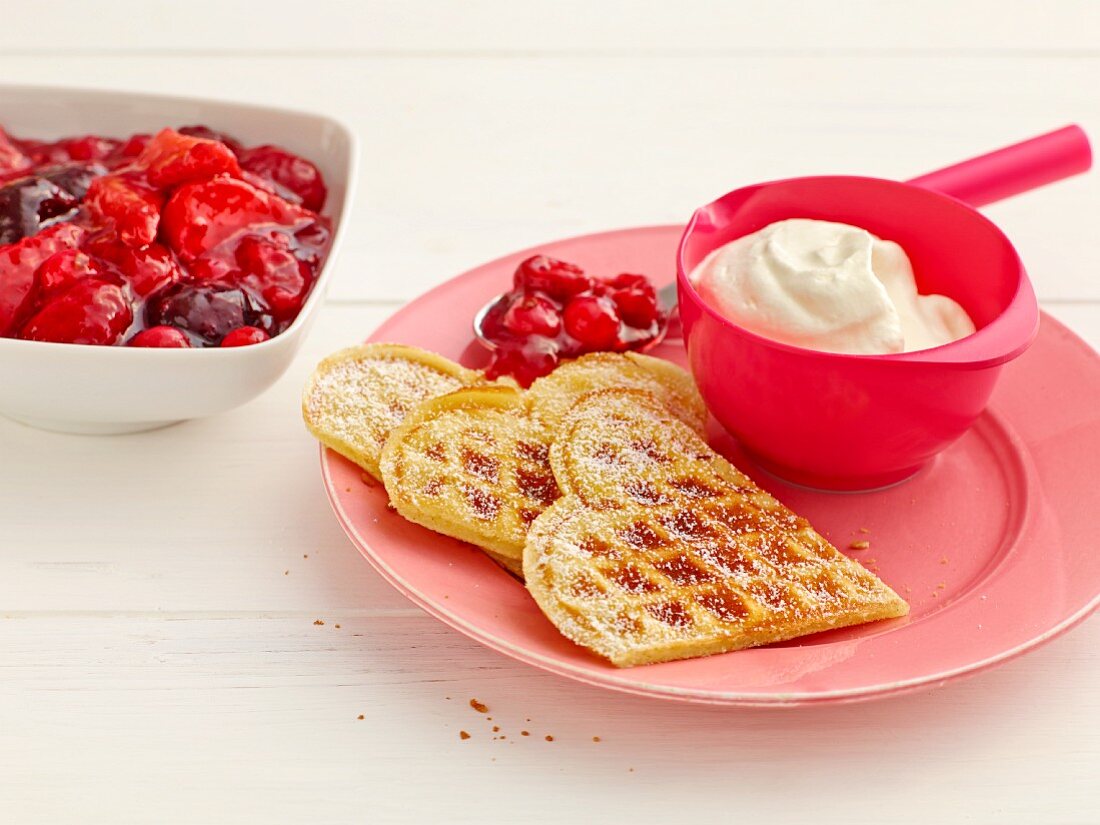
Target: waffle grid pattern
[(662, 549)]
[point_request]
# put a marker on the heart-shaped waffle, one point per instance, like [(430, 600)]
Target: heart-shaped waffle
[(355, 397), (661, 549), (473, 464)]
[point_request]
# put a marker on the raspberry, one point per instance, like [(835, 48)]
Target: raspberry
[(91, 311), (162, 337), (532, 315), (557, 279), (592, 321), (244, 336), (171, 159), (130, 207)]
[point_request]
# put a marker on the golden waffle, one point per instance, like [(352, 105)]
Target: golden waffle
[(355, 397), (552, 396), (473, 464), (661, 549)]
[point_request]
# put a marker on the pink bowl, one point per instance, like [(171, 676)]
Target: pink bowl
[(854, 422)]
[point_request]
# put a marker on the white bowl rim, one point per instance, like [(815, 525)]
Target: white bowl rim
[(320, 285)]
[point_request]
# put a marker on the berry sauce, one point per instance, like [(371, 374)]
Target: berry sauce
[(180, 239), (555, 311)]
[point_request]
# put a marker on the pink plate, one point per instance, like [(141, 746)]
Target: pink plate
[(993, 543)]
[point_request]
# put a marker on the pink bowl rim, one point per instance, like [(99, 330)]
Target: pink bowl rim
[(1018, 321)]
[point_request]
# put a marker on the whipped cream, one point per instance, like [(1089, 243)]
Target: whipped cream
[(827, 286)]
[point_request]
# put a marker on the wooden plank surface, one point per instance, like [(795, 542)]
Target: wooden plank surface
[(159, 660)]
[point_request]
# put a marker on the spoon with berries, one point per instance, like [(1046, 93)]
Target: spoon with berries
[(555, 311)]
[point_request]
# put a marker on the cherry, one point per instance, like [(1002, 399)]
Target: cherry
[(91, 311), (592, 320), (124, 203), (244, 336), (161, 337), (207, 311), (637, 307), (532, 315), (557, 279), (288, 172), (525, 363), (74, 178), (171, 158), (18, 263), (626, 280), (272, 273), (29, 204)]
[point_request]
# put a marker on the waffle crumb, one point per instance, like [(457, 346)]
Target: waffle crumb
[(496, 728), (479, 706), (337, 626), (318, 622), (549, 738), (525, 733), (859, 545), (595, 739), (286, 572), (305, 555), (941, 586), (463, 735), (865, 529), (943, 559), (360, 716)]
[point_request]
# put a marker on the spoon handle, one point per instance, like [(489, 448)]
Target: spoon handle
[(1013, 169)]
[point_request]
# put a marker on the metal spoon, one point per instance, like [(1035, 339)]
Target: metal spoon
[(666, 297)]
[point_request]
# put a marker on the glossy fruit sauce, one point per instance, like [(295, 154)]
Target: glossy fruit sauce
[(180, 239), (556, 311)]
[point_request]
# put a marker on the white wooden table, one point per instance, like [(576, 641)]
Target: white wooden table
[(161, 658)]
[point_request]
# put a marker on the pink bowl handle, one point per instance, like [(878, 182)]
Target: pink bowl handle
[(1014, 169)]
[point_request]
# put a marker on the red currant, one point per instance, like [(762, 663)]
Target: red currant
[(243, 336), (592, 321), (161, 337)]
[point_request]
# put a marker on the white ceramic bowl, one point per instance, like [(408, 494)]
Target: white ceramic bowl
[(86, 389)]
